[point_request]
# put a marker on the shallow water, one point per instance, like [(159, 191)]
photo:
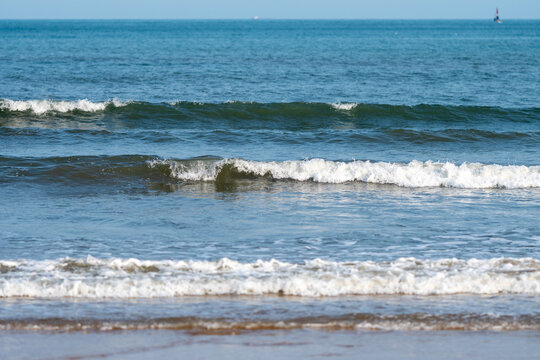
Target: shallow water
[(302, 344)]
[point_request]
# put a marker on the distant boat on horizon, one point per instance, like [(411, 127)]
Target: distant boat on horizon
[(496, 18)]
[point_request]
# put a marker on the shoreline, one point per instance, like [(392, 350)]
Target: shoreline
[(271, 344)]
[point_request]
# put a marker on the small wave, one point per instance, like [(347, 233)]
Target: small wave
[(134, 278), (40, 107), (412, 174), (292, 115), (357, 321)]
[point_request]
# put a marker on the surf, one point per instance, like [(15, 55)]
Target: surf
[(134, 278), (412, 174)]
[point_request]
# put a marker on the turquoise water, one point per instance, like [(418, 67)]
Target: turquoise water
[(269, 175)]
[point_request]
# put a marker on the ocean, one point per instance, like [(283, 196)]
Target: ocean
[(318, 182)]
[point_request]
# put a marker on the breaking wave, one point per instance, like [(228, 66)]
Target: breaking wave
[(412, 174), (134, 278), (73, 170), (283, 115), (40, 107)]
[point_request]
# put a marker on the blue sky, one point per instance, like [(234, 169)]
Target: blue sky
[(278, 9)]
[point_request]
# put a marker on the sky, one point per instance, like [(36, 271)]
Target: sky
[(275, 9)]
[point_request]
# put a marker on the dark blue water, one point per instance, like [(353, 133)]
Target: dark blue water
[(380, 62), (200, 162)]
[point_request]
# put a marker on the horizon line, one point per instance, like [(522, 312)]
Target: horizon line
[(263, 19)]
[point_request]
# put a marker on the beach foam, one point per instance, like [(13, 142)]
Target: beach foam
[(134, 278), (355, 321)]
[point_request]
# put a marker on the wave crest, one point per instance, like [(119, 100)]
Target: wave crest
[(412, 174), (291, 115), (40, 107), (344, 106)]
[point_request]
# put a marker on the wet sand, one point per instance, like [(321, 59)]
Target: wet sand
[(270, 345)]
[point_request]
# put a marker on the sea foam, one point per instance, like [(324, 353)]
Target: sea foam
[(412, 174), (344, 106), (134, 278), (40, 107)]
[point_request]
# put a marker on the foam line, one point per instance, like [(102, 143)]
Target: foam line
[(134, 278)]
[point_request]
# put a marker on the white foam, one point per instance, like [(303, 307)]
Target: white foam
[(412, 174), (344, 106), (40, 107), (134, 278)]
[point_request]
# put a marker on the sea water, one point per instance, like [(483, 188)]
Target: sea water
[(269, 175)]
